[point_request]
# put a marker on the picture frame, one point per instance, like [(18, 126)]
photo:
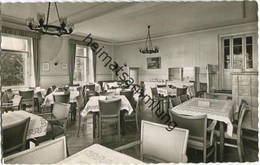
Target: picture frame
[(46, 66), (153, 62)]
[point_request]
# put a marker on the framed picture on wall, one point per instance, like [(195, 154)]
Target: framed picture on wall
[(46, 66), (153, 62)]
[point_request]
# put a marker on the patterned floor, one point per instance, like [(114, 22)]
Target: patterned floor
[(109, 139)]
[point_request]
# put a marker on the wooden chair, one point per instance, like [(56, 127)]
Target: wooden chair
[(15, 104), (175, 101), (14, 137), (157, 98), (65, 98), (237, 132), (50, 152), (184, 98), (57, 119), (129, 94), (40, 101), (109, 109), (159, 145), (49, 91), (27, 98), (91, 90), (198, 139), (6, 103)]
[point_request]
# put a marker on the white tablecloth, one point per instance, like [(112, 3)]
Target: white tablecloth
[(93, 106), (220, 110), (37, 126), (96, 154), (50, 98), (167, 91)]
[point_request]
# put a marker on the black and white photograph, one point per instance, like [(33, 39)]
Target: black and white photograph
[(129, 82)]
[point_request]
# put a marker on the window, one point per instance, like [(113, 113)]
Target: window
[(15, 61), (81, 65), (238, 52)]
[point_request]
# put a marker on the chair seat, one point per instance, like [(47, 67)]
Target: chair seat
[(56, 130), (197, 144)]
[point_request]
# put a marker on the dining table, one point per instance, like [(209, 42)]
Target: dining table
[(219, 110), (167, 91), (37, 126), (97, 154), (49, 99), (92, 106)]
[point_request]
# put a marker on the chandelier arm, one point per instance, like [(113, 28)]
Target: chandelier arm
[(57, 11), (48, 13)]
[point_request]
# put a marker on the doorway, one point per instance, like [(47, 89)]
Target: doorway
[(134, 74)]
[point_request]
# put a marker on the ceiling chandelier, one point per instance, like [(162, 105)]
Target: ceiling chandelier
[(44, 27), (149, 49)]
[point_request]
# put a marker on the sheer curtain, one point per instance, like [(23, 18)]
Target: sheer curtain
[(91, 77)]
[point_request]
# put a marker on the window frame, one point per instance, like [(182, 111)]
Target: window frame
[(244, 62), (28, 61), (85, 78)]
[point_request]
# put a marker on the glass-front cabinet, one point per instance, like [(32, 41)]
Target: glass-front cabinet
[(240, 52)]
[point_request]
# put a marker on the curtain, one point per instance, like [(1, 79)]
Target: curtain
[(19, 32), (91, 66), (94, 65), (36, 61), (72, 49)]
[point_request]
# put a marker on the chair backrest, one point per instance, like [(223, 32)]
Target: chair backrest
[(39, 97), (165, 146), (154, 92), (110, 107), (4, 98), (49, 90), (197, 125), (61, 110), (129, 94), (184, 98), (41, 154), (161, 86), (53, 87), (175, 101), (91, 87), (242, 103), (243, 112), (14, 136), (65, 98), (27, 94), (17, 100)]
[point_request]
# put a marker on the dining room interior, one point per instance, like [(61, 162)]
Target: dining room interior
[(129, 82)]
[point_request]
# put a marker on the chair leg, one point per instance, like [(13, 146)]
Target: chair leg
[(79, 123), (205, 156), (99, 130), (239, 151), (136, 121), (119, 130), (242, 148), (215, 151)]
